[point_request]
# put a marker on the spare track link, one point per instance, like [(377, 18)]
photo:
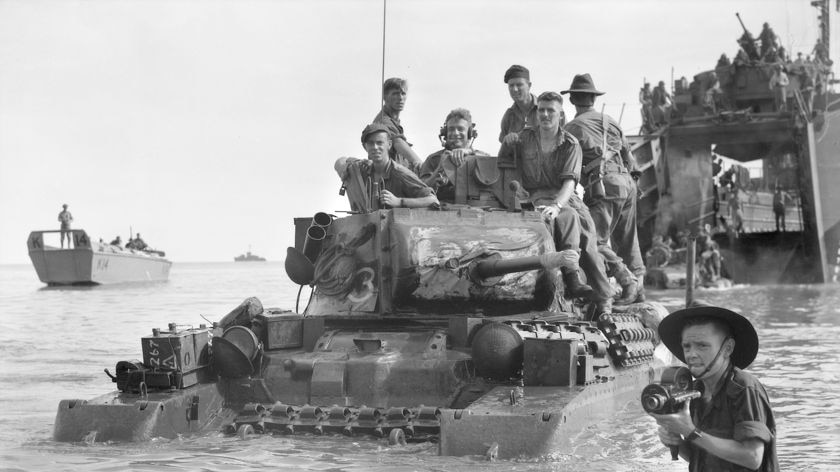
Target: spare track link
[(630, 342), (420, 423)]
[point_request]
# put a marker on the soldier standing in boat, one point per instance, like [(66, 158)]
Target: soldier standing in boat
[(549, 161), (661, 103), (457, 135), (646, 99), (731, 426), (65, 218), (608, 176), (778, 84), (138, 243), (400, 187), (394, 93), (768, 39), (736, 214), (779, 199)]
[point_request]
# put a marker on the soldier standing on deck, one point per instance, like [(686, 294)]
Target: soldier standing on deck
[(608, 176), (768, 39), (65, 218)]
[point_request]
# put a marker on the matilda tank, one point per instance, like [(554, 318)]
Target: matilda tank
[(445, 325)]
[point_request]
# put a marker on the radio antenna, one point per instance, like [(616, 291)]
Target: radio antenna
[(382, 80)]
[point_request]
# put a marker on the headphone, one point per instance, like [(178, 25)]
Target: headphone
[(471, 133)]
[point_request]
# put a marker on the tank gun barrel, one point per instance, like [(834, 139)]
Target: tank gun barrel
[(497, 267)]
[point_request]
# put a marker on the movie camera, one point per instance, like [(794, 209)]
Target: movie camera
[(668, 395)]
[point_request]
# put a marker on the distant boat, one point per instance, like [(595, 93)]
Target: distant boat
[(90, 262), (248, 257)]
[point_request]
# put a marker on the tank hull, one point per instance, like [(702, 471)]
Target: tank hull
[(542, 421)]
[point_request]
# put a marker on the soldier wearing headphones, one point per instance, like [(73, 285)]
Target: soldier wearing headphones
[(456, 135)]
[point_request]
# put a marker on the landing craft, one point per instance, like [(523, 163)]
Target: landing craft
[(793, 134), (92, 263), (449, 326)]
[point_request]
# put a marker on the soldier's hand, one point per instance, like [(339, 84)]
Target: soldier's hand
[(388, 198), (511, 138), (549, 212), (679, 423), (668, 438), (458, 156)]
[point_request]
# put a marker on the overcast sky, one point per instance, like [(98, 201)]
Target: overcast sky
[(208, 125)]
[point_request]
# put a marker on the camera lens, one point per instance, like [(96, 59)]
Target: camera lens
[(653, 403)]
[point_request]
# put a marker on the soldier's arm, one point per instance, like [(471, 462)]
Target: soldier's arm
[(404, 149)]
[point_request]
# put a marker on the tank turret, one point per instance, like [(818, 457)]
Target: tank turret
[(443, 262)]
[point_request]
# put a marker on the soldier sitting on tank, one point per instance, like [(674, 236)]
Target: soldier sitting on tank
[(549, 161), (117, 242), (399, 187), (457, 135)]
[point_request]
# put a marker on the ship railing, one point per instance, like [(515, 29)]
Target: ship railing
[(52, 242)]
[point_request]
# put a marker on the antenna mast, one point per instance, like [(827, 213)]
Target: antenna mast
[(382, 80)]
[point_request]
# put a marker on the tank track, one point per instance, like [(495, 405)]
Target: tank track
[(631, 343), (420, 423)]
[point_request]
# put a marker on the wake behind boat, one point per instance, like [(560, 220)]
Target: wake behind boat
[(89, 262)]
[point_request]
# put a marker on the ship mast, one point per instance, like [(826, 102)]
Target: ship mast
[(823, 18)]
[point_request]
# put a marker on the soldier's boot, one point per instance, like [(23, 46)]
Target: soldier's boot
[(574, 287), (599, 308), (640, 294), (570, 268), (629, 286)]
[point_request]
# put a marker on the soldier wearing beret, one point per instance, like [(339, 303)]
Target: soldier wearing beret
[(400, 187), (731, 426), (523, 112)]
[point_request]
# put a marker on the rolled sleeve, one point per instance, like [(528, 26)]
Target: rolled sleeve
[(752, 430), (408, 184)]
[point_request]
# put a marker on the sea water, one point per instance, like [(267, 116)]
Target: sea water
[(56, 342)]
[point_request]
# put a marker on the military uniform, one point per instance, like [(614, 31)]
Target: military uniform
[(514, 120), (395, 130), (396, 178), (614, 211), (439, 181), (544, 174), (739, 410)]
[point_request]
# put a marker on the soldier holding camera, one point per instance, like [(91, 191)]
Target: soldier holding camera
[(730, 426)]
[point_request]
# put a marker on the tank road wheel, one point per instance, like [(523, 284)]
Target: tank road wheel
[(396, 437), (245, 431)]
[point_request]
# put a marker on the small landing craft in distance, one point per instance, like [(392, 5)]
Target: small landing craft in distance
[(90, 262)]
